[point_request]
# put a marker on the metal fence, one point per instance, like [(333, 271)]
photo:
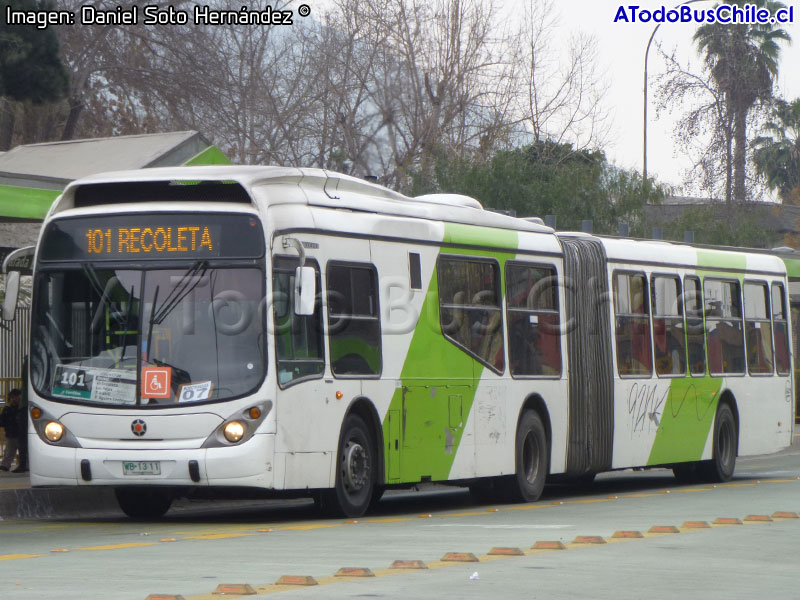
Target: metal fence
[(14, 338)]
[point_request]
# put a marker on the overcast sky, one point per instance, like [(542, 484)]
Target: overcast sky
[(622, 47)]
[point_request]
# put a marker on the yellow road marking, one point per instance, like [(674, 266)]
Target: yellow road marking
[(640, 495), (464, 514), (525, 507), (218, 536), (18, 556), (310, 527), (119, 546), (390, 520)]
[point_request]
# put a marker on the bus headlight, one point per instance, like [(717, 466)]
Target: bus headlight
[(239, 427), (233, 431), (50, 430), (54, 431)]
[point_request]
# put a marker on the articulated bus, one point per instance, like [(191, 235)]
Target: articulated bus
[(304, 332)]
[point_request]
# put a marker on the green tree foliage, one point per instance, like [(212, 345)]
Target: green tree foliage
[(721, 225), (743, 61), (548, 178), (777, 154), (30, 66)]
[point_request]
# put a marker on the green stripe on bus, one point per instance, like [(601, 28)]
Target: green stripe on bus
[(792, 267), (686, 420), (472, 235)]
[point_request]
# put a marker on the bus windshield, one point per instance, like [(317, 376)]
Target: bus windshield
[(121, 336)]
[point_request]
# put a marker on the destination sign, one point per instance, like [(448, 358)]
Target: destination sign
[(195, 239), (153, 236)]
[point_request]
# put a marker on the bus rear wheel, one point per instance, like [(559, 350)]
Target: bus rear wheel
[(142, 504), (532, 458), (726, 446), (355, 471)]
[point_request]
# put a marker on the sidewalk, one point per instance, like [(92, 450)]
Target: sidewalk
[(14, 481)]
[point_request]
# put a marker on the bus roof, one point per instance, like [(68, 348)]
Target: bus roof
[(656, 252), (316, 187)]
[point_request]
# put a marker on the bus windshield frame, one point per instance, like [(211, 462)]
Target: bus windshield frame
[(149, 333)]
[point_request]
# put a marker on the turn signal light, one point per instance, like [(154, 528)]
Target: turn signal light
[(254, 413), (36, 412), (54, 431), (234, 431)]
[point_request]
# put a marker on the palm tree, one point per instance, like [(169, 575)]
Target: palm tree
[(777, 155), (743, 61)]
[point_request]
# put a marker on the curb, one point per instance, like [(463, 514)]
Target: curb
[(51, 503)]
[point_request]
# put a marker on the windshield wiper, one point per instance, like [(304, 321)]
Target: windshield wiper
[(183, 288)]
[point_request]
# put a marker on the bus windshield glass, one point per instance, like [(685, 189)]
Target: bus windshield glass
[(133, 337)]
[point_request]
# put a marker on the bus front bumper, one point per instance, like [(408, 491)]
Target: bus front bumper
[(248, 465)]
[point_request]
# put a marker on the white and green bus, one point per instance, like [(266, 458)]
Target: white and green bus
[(305, 332)]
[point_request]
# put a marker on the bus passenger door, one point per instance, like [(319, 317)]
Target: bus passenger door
[(432, 423)]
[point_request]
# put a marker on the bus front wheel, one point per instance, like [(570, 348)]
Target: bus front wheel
[(143, 503), (355, 470), (531, 458)]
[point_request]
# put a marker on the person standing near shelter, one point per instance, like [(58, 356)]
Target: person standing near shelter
[(9, 420)]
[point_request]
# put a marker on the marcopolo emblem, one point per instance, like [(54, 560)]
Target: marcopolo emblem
[(139, 428)]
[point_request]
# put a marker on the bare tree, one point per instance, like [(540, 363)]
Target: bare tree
[(561, 94), (427, 79)]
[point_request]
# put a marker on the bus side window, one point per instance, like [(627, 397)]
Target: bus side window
[(723, 308), (634, 357), (470, 309), (669, 341), (781, 329), (695, 332), (534, 342), (354, 327), (299, 351), (758, 333)]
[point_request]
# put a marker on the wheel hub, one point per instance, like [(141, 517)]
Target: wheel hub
[(530, 458), (356, 467)]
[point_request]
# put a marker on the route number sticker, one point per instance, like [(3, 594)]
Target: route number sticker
[(192, 392)]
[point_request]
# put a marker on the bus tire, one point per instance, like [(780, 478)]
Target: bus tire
[(355, 470), (141, 504), (531, 458), (726, 446)]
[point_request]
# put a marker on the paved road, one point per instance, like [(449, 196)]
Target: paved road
[(201, 546)]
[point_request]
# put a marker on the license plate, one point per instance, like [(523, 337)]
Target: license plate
[(141, 468)]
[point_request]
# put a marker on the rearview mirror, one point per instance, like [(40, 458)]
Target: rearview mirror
[(12, 294), (304, 291)]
